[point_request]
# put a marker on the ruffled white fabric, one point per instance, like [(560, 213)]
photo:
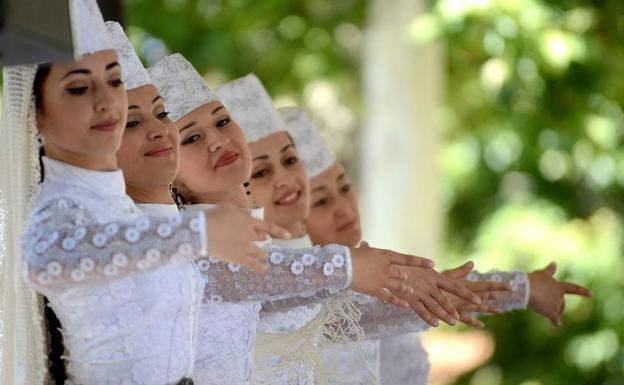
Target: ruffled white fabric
[(133, 74), (311, 147)]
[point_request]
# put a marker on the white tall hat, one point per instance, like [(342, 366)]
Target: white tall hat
[(251, 107), (311, 147), (133, 74), (88, 30), (182, 87)]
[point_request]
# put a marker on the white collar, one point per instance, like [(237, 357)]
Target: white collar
[(294, 243), (256, 212), (104, 182), (157, 209)]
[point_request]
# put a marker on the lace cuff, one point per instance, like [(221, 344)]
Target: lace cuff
[(380, 319), (292, 273), (517, 298), (65, 245)]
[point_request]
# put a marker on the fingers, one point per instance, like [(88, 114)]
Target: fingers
[(486, 286), (458, 290), (409, 260), (419, 308), (471, 321), (571, 288), (459, 272), (255, 259), (483, 308), (434, 306), (271, 229), (551, 268), (397, 286), (390, 298)]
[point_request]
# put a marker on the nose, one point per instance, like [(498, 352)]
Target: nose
[(282, 178), (157, 131), (217, 142), (104, 98)]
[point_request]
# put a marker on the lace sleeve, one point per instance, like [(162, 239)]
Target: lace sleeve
[(292, 272), (517, 298), (380, 319), (64, 245)]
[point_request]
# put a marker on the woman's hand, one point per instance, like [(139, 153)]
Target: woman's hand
[(547, 294), (231, 232), (376, 272)]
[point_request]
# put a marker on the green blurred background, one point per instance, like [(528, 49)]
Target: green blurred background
[(530, 159)]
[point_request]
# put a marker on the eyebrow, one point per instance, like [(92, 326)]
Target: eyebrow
[(342, 175), (260, 157), (86, 71), (191, 124), (134, 107), (217, 109), (319, 188), (286, 147), (156, 98)]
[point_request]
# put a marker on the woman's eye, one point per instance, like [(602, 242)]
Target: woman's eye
[(77, 90), (132, 124), (116, 83), (346, 188), (223, 122), (162, 115), (320, 202), (292, 160), (260, 173), (191, 139)]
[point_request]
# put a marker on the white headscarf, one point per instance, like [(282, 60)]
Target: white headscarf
[(23, 348)]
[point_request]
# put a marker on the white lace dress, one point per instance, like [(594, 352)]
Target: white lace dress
[(404, 361), (226, 333), (120, 283)]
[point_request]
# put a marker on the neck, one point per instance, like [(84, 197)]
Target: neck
[(235, 196), (141, 194), (106, 162), (297, 229)]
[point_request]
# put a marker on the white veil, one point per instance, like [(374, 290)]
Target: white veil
[(23, 356)]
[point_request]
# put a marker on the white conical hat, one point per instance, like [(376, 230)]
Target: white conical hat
[(311, 147), (133, 74), (88, 31), (251, 107), (180, 85)]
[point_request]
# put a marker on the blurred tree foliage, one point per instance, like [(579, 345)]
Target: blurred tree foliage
[(534, 170), (532, 160)]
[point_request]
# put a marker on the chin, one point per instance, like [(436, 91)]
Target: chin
[(351, 239)]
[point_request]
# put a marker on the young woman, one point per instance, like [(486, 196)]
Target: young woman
[(214, 165), (334, 217), (85, 248)]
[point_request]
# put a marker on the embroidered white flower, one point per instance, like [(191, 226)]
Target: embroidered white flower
[(143, 264), (53, 237), (233, 267), (175, 220), (87, 264), (153, 255), (143, 223), (44, 278), (472, 277), (80, 233), (521, 278), (328, 269), (194, 225), (185, 249), (110, 270), (77, 275), (99, 239), (296, 268), (276, 258), (111, 229), (120, 260), (216, 298), (496, 278), (308, 259), (338, 260), (54, 269), (164, 230), (62, 204), (68, 244), (40, 247), (132, 235), (203, 264)]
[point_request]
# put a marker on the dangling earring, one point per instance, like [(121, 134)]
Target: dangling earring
[(177, 197), (39, 138), (246, 185)]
